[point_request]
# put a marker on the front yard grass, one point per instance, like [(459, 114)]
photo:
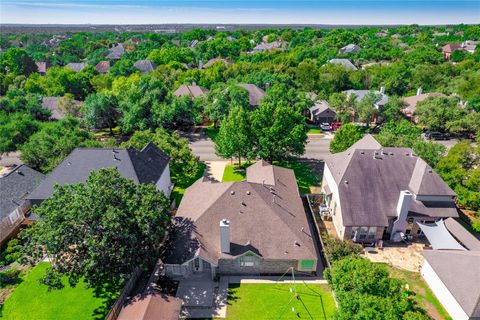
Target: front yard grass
[(305, 177), (32, 300), (274, 301), (423, 294), (181, 184)]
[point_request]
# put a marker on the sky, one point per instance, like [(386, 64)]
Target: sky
[(240, 11)]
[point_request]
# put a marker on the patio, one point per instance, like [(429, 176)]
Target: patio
[(403, 256)]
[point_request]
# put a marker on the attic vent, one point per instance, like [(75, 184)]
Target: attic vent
[(244, 204), (407, 154), (362, 152), (20, 173), (286, 252), (391, 153), (247, 243), (430, 171), (232, 192), (296, 243), (69, 163), (248, 192), (115, 158), (346, 181)]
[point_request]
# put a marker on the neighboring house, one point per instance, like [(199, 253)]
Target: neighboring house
[(449, 48), (145, 66), (42, 67), (193, 91), (275, 45), (193, 44), (102, 67), (51, 103), (255, 94), (360, 94), (351, 48), (252, 227), (116, 52), (321, 113), (375, 193), (454, 278), (76, 66), (211, 62), (412, 101), (470, 46), (151, 165), (176, 43), (14, 187), (151, 306), (382, 33), (345, 62)]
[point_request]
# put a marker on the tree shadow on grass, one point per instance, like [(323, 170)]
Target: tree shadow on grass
[(109, 294), (232, 295)]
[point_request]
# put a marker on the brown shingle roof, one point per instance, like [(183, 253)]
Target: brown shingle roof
[(370, 179), (42, 66), (153, 306), (51, 103), (265, 212), (103, 67), (193, 91), (411, 102), (255, 94), (145, 66), (459, 272), (451, 47)]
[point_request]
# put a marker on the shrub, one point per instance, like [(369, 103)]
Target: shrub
[(9, 277), (336, 249)]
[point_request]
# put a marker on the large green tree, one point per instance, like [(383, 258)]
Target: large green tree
[(100, 111), (15, 129), (235, 138), (345, 137), (101, 230), (279, 132), (440, 113)]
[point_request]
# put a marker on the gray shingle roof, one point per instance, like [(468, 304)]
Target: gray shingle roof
[(51, 103), (462, 235), (116, 52), (265, 212), (350, 48), (145, 66), (322, 107), (370, 179), (360, 94), (144, 166), (345, 62), (458, 270), (193, 91), (255, 94), (76, 66), (15, 186)]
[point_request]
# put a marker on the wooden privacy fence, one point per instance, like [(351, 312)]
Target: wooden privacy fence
[(126, 291)]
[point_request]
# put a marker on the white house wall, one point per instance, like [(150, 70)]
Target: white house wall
[(164, 183), (441, 292), (337, 218)]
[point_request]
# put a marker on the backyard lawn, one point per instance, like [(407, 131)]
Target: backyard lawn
[(274, 301), (234, 173), (424, 295), (32, 300)]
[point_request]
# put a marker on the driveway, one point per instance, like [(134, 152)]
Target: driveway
[(215, 169)]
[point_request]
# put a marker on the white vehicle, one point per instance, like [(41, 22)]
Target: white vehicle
[(325, 126)]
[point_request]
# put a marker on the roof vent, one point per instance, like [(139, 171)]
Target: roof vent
[(115, 158), (248, 192), (346, 181), (69, 163), (391, 153), (362, 152), (232, 192), (244, 204), (297, 243)]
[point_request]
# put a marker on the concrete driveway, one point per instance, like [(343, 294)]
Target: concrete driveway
[(215, 169)]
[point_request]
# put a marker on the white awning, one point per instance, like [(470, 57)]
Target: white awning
[(439, 237)]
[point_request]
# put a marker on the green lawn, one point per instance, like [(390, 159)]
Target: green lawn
[(211, 132), (313, 130), (182, 184), (305, 176), (274, 301), (32, 300), (423, 294)]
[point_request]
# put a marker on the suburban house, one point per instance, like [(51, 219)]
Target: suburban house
[(145, 66), (76, 66), (345, 62), (321, 113), (252, 227), (102, 67), (193, 44), (255, 94), (454, 278), (360, 94), (42, 67), (411, 102), (192, 90), (15, 185), (264, 47), (467, 46), (51, 103), (116, 52), (150, 165), (351, 48), (211, 62), (374, 193)]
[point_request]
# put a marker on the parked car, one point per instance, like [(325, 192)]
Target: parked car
[(435, 135), (336, 125), (325, 126)]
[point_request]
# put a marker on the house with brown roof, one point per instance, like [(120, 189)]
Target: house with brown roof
[(145, 66), (194, 91), (102, 67), (253, 227), (255, 94), (42, 67), (449, 48), (412, 101), (321, 112), (373, 193), (211, 62), (151, 306)]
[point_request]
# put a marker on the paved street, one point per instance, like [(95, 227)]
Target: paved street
[(202, 146)]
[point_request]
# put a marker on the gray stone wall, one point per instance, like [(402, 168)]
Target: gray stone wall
[(232, 267)]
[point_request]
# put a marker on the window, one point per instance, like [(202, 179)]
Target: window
[(14, 216), (363, 233), (247, 261)]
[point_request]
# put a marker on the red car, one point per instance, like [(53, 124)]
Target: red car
[(336, 126)]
